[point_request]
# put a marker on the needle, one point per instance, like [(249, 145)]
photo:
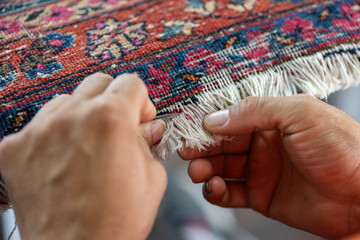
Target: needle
[(166, 116)]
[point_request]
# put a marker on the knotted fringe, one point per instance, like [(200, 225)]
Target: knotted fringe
[(315, 75)]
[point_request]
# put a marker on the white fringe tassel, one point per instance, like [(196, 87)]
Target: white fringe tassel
[(314, 75)]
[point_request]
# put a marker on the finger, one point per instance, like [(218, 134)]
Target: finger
[(265, 170), (152, 132), (7, 146), (93, 85), (353, 237), (130, 89), (226, 193), (53, 105), (225, 166), (265, 113), (238, 144)]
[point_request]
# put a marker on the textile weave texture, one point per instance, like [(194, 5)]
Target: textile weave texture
[(194, 56)]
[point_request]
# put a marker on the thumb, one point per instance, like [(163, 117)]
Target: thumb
[(288, 114), (152, 132)]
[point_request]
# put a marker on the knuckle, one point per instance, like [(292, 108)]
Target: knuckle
[(61, 98), (103, 107), (9, 149), (58, 123), (307, 104), (295, 141), (245, 107), (107, 113), (132, 76), (300, 112), (250, 104), (7, 145), (100, 75), (137, 84)]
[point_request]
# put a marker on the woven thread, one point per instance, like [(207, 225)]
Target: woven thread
[(315, 75), (194, 56)]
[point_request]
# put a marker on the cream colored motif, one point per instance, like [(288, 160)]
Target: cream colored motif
[(207, 7), (113, 39), (31, 21), (246, 6)]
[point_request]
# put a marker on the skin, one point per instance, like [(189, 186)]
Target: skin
[(294, 159), (82, 168), (353, 237)]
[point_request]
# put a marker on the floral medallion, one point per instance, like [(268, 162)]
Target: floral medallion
[(54, 42), (113, 39)]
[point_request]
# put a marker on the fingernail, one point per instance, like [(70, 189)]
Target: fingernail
[(157, 130), (208, 187), (217, 119)]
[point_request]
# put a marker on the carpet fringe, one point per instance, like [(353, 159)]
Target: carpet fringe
[(315, 75)]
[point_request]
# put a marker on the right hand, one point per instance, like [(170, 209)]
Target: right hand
[(82, 168), (300, 159)]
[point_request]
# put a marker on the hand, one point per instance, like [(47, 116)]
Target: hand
[(299, 157), (82, 168)]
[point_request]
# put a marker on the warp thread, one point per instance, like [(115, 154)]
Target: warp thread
[(315, 75)]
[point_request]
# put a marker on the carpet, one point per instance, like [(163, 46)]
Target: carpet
[(194, 56)]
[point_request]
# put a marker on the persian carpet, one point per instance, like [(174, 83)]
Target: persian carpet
[(194, 56)]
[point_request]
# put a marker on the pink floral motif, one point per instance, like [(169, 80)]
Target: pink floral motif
[(203, 56), (56, 42), (40, 66), (10, 26), (58, 14), (110, 2), (258, 39), (305, 26), (351, 21), (161, 83), (260, 52), (251, 34)]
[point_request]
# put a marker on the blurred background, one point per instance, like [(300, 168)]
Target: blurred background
[(185, 215)]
